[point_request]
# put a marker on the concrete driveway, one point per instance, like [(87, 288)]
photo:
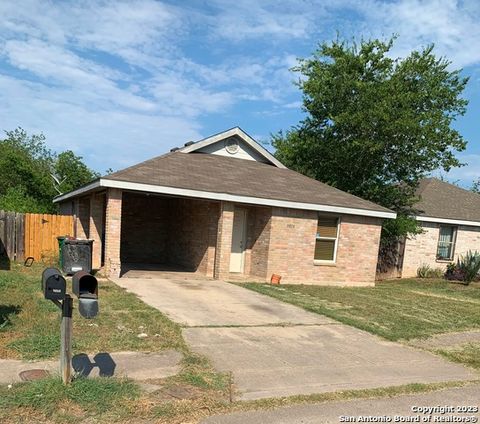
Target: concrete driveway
[(277, 349)]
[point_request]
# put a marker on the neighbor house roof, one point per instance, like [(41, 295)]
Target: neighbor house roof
[(447, 203), (216, 177)]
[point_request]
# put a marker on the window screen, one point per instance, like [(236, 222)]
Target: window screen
[(446, 242), (326, 239)]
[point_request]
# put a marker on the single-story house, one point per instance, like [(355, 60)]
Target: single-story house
[(225, 207), (450, 220)]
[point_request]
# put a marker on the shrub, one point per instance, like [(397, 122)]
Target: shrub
[(425, 271), (466, 269)]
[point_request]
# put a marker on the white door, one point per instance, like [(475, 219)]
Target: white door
[(238, 241)]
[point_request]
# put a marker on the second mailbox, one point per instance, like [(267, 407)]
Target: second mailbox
[(85, 285), (53, 284)]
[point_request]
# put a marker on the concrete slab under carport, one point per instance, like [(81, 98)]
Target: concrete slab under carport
[(277, 349)]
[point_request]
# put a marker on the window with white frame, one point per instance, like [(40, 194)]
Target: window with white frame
[(326, 238), (446, 242)]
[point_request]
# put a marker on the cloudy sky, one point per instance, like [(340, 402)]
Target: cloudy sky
[(122, 81)]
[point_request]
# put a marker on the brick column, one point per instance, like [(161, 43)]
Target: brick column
[(95, 228), (113, 226), (224, 241), (82, 217), (213, 222)]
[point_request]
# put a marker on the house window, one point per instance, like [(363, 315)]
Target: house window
[(446, 242), (326, 239)]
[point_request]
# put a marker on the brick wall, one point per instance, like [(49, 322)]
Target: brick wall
[(97, 203), (224, 241), (82, 217), (292, 245), (192, 230), (258, 240), (113, 219), (422, 248)]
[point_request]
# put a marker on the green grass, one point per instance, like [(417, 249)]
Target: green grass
[(468, 354), (30, 325), (51, 400), (30, 329), (395, 310)]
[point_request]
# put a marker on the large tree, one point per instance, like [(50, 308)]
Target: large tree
[(375, 125), (476, 186), (27, 168)]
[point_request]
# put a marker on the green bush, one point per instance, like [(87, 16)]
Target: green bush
[(425, 271), (469, 266)]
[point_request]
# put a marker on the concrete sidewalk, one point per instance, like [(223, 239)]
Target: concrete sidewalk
[(331, 412), (135, 365)]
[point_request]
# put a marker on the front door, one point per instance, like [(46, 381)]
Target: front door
[(237, 255)]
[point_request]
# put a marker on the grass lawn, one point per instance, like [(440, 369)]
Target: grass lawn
[(395, 310), (30, 330), (468, 354), (30, 325)]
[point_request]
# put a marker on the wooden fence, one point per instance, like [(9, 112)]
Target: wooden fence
[(32, 235)]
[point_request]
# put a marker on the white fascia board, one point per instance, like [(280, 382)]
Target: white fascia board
[(229, 133), (85, 189), (242, 199), (448, 221)]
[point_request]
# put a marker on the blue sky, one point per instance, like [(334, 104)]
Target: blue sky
[(121, 81)]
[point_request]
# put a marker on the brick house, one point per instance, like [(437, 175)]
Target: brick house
[(450, 219), (225, 207)]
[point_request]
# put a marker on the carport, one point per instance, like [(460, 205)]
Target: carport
[(168, 233)]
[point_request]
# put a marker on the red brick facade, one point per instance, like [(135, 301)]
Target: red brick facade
[(113, 232), (197, 235)]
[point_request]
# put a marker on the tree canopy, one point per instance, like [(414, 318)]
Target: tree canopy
[(476, 186), (27, 168), (375, 125)]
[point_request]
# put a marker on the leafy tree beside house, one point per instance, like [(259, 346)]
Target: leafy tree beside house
[(476, 186), (26, 169), (375, 125)]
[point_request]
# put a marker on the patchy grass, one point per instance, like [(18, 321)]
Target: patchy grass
[(30, 329), (395, 310), (468, 354), (50, 399), (30, 325)]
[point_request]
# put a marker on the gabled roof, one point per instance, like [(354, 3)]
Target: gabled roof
[(444, 202), (216, 177), (233, 132)]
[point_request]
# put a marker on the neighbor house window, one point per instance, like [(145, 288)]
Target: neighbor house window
[(446, 242), (327, 239)]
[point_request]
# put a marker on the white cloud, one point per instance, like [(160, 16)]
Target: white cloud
[(106, 138), (252, 19), (452, 25)]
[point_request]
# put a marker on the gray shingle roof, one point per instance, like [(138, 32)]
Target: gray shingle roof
[(439, 199), (214, 173)]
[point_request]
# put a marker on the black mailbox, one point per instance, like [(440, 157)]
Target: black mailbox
[(53, 284), (85, 287)]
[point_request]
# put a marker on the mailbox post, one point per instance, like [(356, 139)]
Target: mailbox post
[(54, 288)]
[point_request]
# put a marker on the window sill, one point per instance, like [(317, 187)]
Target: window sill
[(444, 261), (316, 262)]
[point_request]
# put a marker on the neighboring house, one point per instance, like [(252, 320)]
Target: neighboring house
[(450, 219), (225, 207)]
